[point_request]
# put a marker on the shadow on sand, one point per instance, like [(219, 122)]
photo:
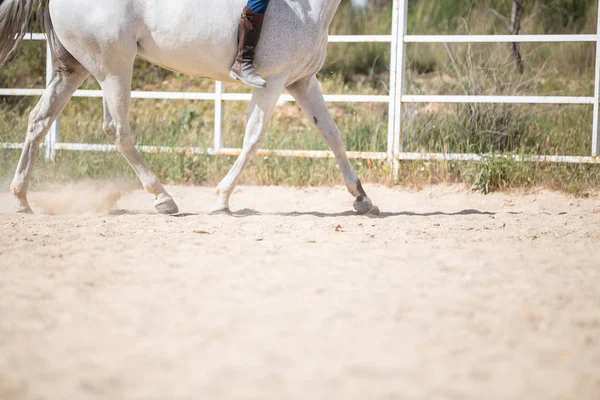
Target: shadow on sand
[(246, 212), (250, 213)]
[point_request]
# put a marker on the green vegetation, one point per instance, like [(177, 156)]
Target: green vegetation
[(550, 69)]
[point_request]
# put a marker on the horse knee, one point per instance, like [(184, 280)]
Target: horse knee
[(252, 141), (33, 116), (251, 144), (36, 128)]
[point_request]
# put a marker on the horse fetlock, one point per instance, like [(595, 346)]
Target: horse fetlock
[(152, 185), (351, 186), (224, 189), (20, 193), (18, 188), (355, 188)]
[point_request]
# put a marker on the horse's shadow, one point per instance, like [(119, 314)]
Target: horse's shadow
[(246, 212)]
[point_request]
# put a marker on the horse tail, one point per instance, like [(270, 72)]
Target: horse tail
[(15, 21)]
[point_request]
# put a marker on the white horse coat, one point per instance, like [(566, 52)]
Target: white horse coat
[(196, 37)]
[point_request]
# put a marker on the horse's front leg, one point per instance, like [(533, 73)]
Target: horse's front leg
[(308, 95), (116, 88), (261, 108)]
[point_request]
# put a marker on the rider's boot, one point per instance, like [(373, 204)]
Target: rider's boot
[(249, 33)]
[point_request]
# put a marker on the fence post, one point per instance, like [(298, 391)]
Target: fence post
[(596, 129), (218, 134), (392, 89), (400, 84), (53, 136)]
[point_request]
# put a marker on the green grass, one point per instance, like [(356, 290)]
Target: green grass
[(550, 69)]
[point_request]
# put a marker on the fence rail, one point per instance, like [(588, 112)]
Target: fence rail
[(395, 100)]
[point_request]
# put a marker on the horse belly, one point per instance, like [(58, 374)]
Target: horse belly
[(190, 36), (191, 59)]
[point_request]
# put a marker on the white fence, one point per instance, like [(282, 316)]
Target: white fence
[(396, 99)]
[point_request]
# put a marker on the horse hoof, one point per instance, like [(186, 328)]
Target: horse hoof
[(220, 211), (363, 205), (25, 210), (374, 211), (166, 206)]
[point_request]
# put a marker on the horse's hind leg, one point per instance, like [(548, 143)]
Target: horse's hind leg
[(55, 98), (116, 89), (308, 95), (261, 108)]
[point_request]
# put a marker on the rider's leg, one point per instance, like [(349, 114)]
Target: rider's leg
[(258, 6), (249, 33)]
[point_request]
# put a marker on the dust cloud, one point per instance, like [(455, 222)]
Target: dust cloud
[(80, 198)]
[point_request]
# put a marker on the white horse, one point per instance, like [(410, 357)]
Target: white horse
[(196, 37)]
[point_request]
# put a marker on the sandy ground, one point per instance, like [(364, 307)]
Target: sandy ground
[(447, 295)]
